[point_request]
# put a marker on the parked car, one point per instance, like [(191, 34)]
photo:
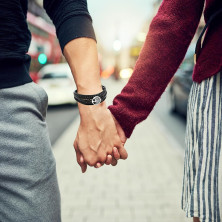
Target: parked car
[(57, 81), (180, 85)]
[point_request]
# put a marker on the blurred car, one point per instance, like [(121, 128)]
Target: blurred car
[(57, 81), (180, 85)]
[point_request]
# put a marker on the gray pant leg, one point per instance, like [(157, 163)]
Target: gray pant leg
[(28, 182)]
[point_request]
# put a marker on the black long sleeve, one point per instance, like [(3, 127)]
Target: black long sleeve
[(71, 19)]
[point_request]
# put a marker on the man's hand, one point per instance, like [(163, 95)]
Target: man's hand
[(96, 137)]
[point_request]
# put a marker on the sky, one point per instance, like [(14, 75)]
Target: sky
[(118, 19)]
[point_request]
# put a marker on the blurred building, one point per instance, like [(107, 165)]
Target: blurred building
[(139, 40), (36, 8), (141, 36), (44, 48)]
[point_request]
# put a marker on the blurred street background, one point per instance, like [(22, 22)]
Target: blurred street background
[(146, 187)]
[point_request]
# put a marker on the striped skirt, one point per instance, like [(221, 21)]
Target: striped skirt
[(202, 183)]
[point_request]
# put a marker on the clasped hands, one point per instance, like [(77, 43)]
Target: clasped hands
[(100, 139)]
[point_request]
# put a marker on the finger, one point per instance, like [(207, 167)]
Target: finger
[(78, 155), (98, 165), (102, 155), (84, 167), (116, 153), (83, 164), (122, 152), (108, 160), (114, 162), (80, 159), (90, 157)]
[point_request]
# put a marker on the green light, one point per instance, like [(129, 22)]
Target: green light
[(42, 58)]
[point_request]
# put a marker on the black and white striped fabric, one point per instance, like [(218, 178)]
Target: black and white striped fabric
[(202, 183)]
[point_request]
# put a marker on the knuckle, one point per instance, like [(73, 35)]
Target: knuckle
[(102, 157), (91, 164), (117, 140), (90, 161), (109, 152)]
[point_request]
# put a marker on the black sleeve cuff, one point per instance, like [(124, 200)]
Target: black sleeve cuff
[(75, 27)]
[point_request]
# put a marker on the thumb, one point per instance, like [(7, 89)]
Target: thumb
[(122, 151), (120, 131)]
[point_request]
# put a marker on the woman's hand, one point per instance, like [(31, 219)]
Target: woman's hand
[(113, 160), (97, 137)]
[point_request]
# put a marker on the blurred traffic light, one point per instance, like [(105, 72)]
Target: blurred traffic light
[(42, 58)]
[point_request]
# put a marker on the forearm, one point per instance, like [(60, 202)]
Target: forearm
[(77, 39), (170, 34), (97, 134), (82, 56)]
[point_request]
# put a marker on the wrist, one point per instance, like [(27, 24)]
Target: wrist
[(86, 111), (89, 89), (91, 99)]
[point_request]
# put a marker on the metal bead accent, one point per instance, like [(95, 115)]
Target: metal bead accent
[(96, 100)]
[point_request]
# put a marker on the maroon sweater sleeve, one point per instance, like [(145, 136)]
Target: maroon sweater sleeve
[(169, 36)]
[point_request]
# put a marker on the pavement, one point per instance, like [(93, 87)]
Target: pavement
[(144, 188)]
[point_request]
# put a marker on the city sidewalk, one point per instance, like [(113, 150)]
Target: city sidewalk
[(144, 188)]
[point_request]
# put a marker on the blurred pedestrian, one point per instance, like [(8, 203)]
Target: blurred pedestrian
[(28, 182), (169, 36)]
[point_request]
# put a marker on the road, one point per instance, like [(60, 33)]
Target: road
[(58, 119)]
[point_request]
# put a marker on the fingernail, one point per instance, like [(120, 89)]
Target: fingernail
[(98, 165)]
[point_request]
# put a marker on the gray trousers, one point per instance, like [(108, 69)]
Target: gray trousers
[(28, 182)]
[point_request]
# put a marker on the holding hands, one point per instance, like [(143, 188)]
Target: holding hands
[(100, 139)]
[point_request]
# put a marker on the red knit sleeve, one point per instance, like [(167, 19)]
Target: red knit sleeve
[(169, 36)]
